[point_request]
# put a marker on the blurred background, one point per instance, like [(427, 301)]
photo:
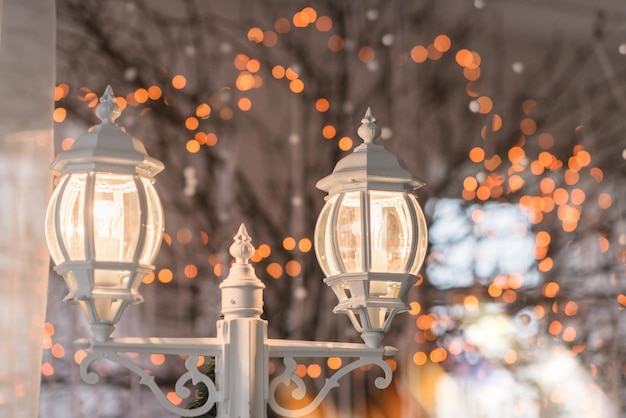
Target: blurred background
[(512, 112)]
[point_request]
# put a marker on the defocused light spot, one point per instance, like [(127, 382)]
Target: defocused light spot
[(545, 265), (179, 82), (334, 363), (335, 43), (322, 105), (438, 355), (141, 95), (345, 143), (605, 200), (477, 154), (47, 369), (470, 183), (486, 105), (255, 35), (148, 278), (59, 114), (415, 308), (555, 327), (165, 275), (282, 25), (190, 271), (314, 371), (253, 66), (296, 86), (293, 268), (244, 104), (226, 113), (419, 54), (203, 110), (420, 358), (442, 43), (329, 132), (278, 71), (550, 289), (275, 270), (471, 303), (57, 351), (324, 24), (192, 146), (366, 54), (245, 81), (305, 245), (174, 398), (510, 357), (528, 126), (571, 308), (79, 356)]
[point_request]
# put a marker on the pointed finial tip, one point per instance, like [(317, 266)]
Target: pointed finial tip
[(368, 131), (242, 248), (108, 110)]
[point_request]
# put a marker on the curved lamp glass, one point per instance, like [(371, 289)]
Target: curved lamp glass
[(104, 223), (370, 237)]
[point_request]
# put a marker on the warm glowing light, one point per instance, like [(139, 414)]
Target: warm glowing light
[(165, 276), (509, 296), (59, 114), (245, 81), (275, 270), (61, 91), (366, 54), (67, 143), (174, 398), (329, 132), (438, 355), (571, 177), (296, 86), (415, 308), (335, 43), (148, 278), (314, 371), (494, 290), (547, 185), (203, 110), (560, 196), (255, 35), (79, 356), (470, 183), (345, 143), (515, 183), (493, 162), (528, 126), (244, 104), (555, 327), (442, 43), (324, 24), (604, 244), (543, 238), (192, 146), (621, 299), (515, 154), (141, 95), (419, 54), (571, 308), (289, 243), (293, 268), (322, 105), (278, 71), (483, 192), (550, 289), (270, 38), (424, 322), (305, 245), (471, 303), (605, 200), (420, 358), (310, 14), (471, 74), (192, 123), (464, 58), (47, 369), (510, 357), (486, 105), (190, 271), (477, 154), (154, 93), (597, 174), (226, 113), (334, 363), (179, 82), (253, 66), (282, 25), (545, 265)]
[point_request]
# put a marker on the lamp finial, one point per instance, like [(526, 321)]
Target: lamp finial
[(242, 248), (108, 110), (368, 131)]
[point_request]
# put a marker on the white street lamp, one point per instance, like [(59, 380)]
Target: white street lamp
[(370, 237), (104, 226), (104, 223)]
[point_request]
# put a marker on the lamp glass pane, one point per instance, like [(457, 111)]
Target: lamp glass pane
[(384, 288), (116, 217), (154, 224), (422, 237), (390, 232), (72, 215), (111, 278), (323, 239), (350, 232), (51, 234)]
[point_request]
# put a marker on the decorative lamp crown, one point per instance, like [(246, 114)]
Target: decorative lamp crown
[(370, 237), (104, 223)]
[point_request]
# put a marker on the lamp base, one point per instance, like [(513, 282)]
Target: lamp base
[(102, 332), (372, 339)]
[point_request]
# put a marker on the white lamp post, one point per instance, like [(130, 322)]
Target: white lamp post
[(104, 226)]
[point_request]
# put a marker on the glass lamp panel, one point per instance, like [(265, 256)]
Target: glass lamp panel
[(422, 237), (384, 289), (72, 216), (116, 217), (154, 224), (117, 279), (107, 308), (51, 233), (323, 239), (390, 232), (377, 317), (350, 232)]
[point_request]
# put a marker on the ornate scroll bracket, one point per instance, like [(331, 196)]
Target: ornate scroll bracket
[(367, 356), (109, 351)]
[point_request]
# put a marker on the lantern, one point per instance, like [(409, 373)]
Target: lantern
[(370, 237), (104, 223)]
